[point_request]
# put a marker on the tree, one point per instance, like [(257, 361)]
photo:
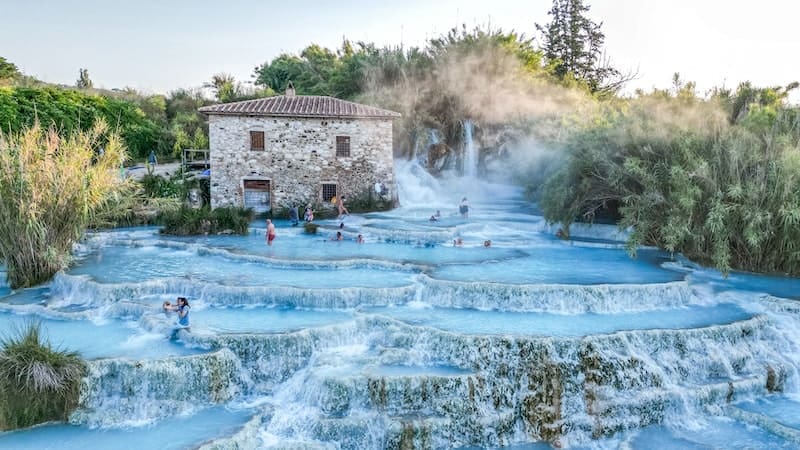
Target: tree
[(277, 73), (573, 45), (310, 73), (225, 87), (8, 71), (83, 81)]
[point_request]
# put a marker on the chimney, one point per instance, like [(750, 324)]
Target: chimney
[(289, 90)]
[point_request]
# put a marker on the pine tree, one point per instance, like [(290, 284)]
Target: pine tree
[(573, 44)]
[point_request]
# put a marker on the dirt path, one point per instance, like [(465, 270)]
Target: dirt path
[(140, 170)]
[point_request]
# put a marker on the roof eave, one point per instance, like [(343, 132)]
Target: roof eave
[(299, 116)]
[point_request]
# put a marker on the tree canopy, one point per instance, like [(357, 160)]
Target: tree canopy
[(8, 70)]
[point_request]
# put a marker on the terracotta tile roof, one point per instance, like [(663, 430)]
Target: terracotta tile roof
[(299, 106)]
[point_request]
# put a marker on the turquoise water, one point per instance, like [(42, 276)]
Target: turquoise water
[(99, 338), (783, 409), (174, 434), (124, 264), (712, 433), (779, 286), (303, 322), (564, 265), (264, 320), (400, 371), (472, 321)]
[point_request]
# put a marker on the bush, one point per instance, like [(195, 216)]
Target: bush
[(37, 382), (721, 195), (131, 207), (188, 221), (158, 186), (367, 201), (71, 110)]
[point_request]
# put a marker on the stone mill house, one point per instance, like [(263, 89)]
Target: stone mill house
[(297, 149)]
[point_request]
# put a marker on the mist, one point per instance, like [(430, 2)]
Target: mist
[(520, 117)]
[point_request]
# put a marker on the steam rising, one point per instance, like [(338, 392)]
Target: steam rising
[(521, 116)]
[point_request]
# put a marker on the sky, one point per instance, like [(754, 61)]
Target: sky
[(157, 46)]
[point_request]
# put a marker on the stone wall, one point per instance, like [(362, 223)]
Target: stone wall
[(299, 155)]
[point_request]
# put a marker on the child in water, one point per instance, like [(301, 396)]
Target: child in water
[(167, 308)]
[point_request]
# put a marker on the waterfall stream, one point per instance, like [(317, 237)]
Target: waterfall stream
[(470, 151), (408, 341)]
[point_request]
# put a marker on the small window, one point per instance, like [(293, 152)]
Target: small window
[(328, 192), (256, 140), (343, 146)]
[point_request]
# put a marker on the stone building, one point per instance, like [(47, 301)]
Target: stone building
[(298, 149)]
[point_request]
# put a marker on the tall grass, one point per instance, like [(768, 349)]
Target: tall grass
[(49, 186), (37, 382)]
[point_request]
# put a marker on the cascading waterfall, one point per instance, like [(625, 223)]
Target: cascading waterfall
[(394, 357), (416, 187), (470, 151)]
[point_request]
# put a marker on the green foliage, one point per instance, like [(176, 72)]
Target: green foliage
[(227, 89), (367, 201), (147, 201), (70, 110), (38, 383), (312, 72), (188, 221), (178, 186), (129, 206), (49, 186), (8, 70), (476, 73), (747, 97), (187, 127), (158, 186), (674, 171)]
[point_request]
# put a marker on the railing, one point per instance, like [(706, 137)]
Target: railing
[(194, 159)]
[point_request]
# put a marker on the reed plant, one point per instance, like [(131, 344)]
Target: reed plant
[(727, 196), (49, 186), (38, 383)]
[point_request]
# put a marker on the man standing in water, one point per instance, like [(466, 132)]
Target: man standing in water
[(270, 232), (342, 209), (463, 208)]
